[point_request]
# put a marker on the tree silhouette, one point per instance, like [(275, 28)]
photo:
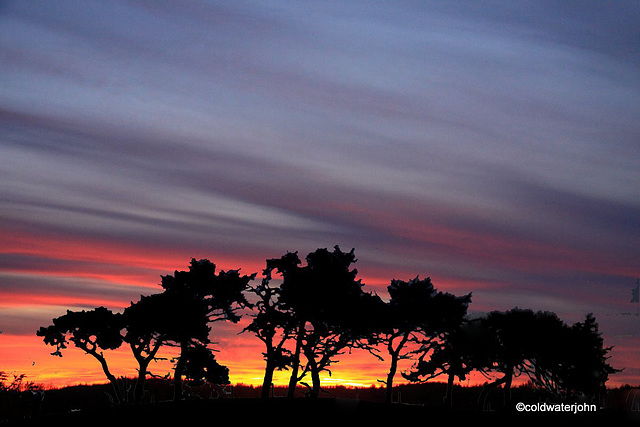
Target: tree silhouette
[(583, 361), (461, 351), (272, 324), (159, 319), (563, 360), (514, 339), (195, 298), (178, 316), (417, 316), (288, 266), (91, 331), (322, 297), (546, 359)]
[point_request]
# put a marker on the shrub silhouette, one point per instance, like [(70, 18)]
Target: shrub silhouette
[(201, 366)]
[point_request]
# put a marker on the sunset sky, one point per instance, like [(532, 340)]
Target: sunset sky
[(491, 146)]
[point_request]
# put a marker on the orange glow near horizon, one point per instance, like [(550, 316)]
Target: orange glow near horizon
[(30, 356), (137, 266)]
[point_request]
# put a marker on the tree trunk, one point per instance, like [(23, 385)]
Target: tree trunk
[(448, 394), (487, 388), (293, 381), (178, 372), (138, 390), (392, 373), (269, 368), (315, 373), (143, 364), (268, 379), (395, 357), (315, 383), (507, 388), (112, 379)]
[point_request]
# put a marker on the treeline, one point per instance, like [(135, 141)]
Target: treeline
[(308, 314)]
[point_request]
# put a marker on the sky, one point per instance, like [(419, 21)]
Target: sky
[(490, 145)]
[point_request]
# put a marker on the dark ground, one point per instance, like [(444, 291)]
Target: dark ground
[(89, 406), (331, 412)]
